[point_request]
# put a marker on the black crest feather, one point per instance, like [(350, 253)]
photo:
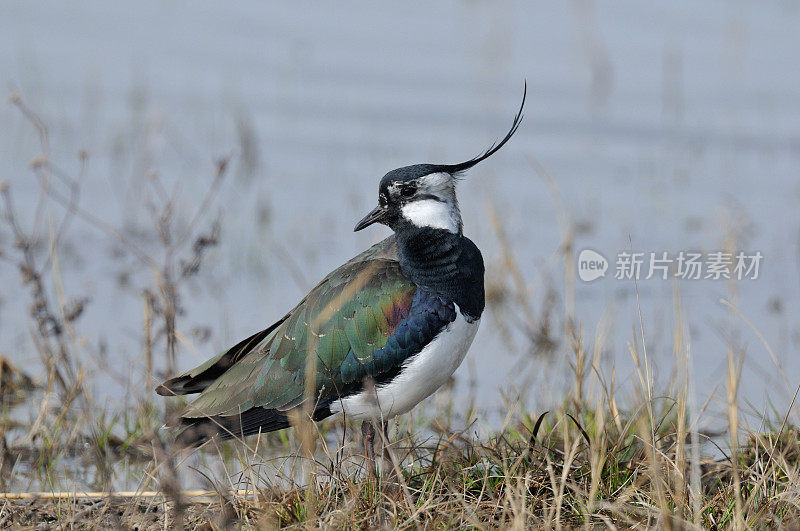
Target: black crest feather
[(415, 171), (494, 148)]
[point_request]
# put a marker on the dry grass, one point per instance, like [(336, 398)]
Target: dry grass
[(561, 469), (594, 461)]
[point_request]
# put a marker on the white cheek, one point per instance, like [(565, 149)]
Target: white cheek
[(431, 213)]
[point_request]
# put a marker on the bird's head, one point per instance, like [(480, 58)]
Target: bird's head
[(424, 195)]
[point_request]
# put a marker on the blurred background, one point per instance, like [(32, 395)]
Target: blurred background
[(648, 127)]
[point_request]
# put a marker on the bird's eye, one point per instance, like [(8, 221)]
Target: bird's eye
[(408, 190), (382, 200)]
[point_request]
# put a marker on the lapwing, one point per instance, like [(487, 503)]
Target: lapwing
[(373, 339)]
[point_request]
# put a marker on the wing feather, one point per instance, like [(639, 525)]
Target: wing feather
[(357, 323), (268, 369)]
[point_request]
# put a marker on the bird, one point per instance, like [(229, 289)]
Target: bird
[(373, 339)]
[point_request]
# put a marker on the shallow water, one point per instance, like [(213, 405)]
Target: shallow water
[(664, 128)]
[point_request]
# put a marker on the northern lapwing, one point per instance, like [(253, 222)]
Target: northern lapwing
[(376, 336)]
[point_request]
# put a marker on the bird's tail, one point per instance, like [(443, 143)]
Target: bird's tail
[(195, 431)]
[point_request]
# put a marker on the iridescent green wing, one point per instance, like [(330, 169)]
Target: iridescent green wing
[(342, 323)]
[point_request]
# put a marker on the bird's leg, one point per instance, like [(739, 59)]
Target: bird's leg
[(368, 434), (392, 476), (387, 452)]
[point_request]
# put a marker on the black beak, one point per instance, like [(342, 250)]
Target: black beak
[(376, 215)]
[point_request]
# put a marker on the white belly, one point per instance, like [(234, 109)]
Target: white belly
[(421, 376)]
